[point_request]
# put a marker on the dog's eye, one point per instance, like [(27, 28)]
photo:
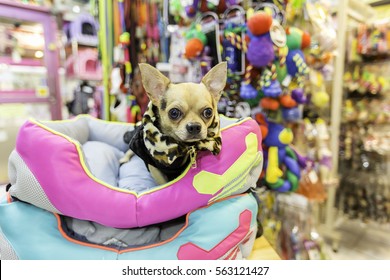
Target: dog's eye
[(174, 113), (207, 113)]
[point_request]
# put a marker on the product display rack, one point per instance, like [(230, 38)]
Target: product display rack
[(26, 65), (29, 85), (50, 61), (365, 131), (348, 11)]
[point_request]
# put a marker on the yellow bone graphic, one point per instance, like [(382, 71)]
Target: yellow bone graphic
[(209, 183)]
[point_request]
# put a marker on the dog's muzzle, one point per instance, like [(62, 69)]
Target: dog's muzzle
[(193, 129)]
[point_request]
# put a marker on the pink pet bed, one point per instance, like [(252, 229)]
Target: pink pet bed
[(72, 168)]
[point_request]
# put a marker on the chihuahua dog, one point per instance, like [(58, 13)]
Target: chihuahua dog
[(180, 120)]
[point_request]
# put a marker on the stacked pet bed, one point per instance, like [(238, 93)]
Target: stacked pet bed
[(69, 198)]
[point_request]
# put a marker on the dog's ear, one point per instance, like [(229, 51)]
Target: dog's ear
[(154, 82), (215, 79)]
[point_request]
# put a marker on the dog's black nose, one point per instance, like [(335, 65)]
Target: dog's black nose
[(193, 128)]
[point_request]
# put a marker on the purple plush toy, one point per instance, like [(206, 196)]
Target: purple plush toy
[(247, 91), (291, 114), (272, 89), (260, 51), (299, 96)]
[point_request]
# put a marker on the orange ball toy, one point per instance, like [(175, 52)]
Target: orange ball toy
[(260, 23), (194, 48), (306, 40), (287, 101), (269, 103)]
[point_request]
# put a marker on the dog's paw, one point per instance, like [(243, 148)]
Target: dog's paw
[(126, 158), (157, 175), (123, 160)]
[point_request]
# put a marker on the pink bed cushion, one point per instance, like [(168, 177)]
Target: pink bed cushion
[(49, 170)]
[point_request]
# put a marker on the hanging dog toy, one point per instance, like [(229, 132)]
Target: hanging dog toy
[(267, 38), (234, 40), (282, 168), (196, 41), (269, 84), (247, 90), (191, 10), (293, 71), (297, 41), (260, 49)]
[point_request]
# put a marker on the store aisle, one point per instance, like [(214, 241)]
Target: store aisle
[(362, 241)]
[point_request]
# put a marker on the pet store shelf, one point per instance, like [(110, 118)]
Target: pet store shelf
[(27, 69), (24, 62), (17, 4), (30, 92), (21, 96)]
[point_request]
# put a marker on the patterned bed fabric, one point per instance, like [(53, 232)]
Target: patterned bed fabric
[(53, 167), (31, 233)]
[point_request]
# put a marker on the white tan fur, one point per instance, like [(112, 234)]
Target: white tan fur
[(190, 98), (185, 110)]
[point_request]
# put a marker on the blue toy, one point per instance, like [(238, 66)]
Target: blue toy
[(282, 167), (297, 40)]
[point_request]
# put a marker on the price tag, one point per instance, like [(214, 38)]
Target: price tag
[(278, 35), (42, 92)]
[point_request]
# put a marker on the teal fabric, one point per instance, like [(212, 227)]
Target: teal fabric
[(34, 233), (207, 227)]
